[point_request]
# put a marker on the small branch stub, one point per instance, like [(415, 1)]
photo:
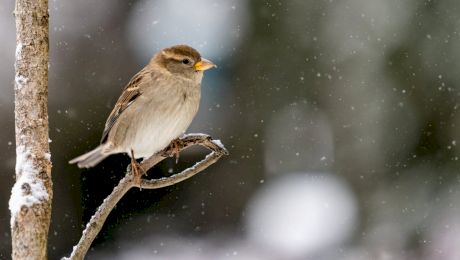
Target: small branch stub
[(132, 180)]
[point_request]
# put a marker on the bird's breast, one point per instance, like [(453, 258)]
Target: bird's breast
[(159, 119)]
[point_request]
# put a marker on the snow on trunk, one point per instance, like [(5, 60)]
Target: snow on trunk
[(30, 202)]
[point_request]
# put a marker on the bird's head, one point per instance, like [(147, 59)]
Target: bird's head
[(183, 61)]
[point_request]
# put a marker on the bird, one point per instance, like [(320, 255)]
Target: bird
[(156, 106)]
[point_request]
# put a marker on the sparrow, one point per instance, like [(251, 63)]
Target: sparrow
[(156, 107)]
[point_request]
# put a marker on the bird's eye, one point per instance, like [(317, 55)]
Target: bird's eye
[(185, 61)]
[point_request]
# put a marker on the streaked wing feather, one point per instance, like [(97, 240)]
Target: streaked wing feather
[(130, 93)]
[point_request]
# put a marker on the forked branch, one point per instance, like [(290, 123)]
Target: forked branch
[(131, 180)]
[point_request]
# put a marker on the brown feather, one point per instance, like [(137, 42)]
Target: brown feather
[(128, 96), (183, 51)]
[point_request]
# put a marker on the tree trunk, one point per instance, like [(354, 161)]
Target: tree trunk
[(30, 202)]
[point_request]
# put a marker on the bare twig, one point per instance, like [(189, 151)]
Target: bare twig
[(131, 180)]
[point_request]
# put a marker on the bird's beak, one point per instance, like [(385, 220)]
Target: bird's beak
[(204, 64)]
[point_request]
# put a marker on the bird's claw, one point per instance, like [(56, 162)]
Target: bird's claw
[(175, 147), (137, 169)]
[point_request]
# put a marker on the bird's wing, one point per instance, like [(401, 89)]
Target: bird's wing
[(130, 94)]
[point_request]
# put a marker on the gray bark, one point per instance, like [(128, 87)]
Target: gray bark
[(30, 202), (135, 180)]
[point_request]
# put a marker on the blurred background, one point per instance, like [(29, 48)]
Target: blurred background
[(341, 118)]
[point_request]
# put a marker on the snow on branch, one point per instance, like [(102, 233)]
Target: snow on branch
[(131, 180)]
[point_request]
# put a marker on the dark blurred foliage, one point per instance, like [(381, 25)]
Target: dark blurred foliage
[(364, 90)]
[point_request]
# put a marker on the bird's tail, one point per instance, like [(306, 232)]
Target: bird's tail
[(91, 158)]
